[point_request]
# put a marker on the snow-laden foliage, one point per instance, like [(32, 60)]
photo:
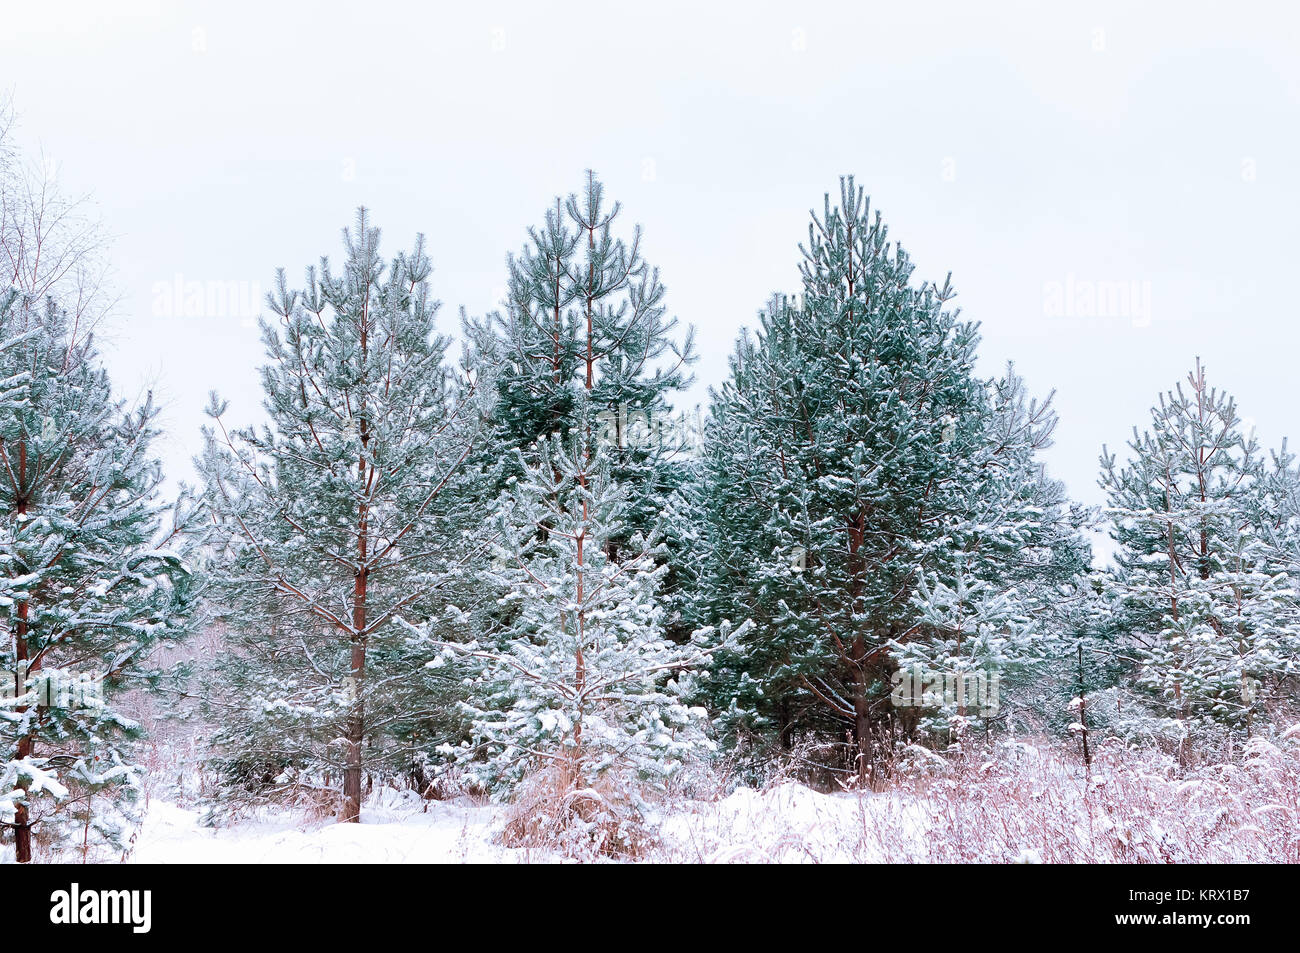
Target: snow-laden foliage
[(1204, 583), (93, 577), (953, 677), (344, 511), (581, 681), (852, 456), (584, 329)]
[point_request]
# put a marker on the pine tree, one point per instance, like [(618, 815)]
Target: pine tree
[(585, 325), (851, 455), (584, 341), (1081, 686), (345, 510), (582, 681), (1205, 600), (94, 579), (1020, 568), (976, 633)]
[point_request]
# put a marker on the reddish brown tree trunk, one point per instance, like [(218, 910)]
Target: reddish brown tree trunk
[(356, 725), (355, 735), (861, 718), (22, 817)]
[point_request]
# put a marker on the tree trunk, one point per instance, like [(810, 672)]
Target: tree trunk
[(1083, 714), (356, 726), (355, 735), (861, 712), (862, 727), (22, 820), (22, 817)]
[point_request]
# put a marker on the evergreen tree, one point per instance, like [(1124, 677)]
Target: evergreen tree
[(976, 632), (585, 325), (1020, 571), (583, 342), (851, 455), (582, 680), (1081, 686), (94, 579), (344, 511), (1203, 595)]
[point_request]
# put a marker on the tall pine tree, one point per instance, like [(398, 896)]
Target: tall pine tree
[(853, 455), (343, 512), (585, 324)]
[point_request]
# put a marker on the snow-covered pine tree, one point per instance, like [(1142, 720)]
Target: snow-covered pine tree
[(851, 454), (975, 632), (585, 324), (584, 331), (1279, 512), (1201, 594), (582, 682), (93, 579), (1018, 572), (1081, 686), (342, 513), (1279, 508)]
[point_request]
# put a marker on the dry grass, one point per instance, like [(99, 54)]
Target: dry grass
[(601, 820), (1032, 805), (1015, 803)]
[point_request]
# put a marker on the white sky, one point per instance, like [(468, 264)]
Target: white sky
[(1016, 146)]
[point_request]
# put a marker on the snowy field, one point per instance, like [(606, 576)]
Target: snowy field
[(1024, 805), (788, 822), (396, 832)]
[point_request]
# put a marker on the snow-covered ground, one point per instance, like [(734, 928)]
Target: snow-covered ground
[(1023, 804), (390, 835), (789, 822)]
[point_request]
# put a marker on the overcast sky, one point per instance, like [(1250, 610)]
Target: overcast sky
[(1044, 156)]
